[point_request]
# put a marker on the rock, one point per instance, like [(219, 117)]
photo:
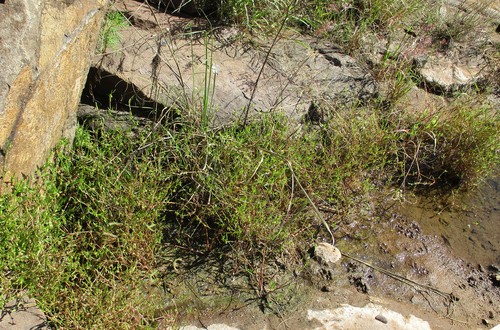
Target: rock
[(169, 68), (97, 119), (492, 10), (350, 317), (381, 318), (327, 254), (447, 75), (22, 314), (417, 100), (45, 52)]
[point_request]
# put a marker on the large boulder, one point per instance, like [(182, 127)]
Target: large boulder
[(45, 52), (164, 62)]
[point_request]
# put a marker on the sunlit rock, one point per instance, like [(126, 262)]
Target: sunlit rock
[(327, 254)]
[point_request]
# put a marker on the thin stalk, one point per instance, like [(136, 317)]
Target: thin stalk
[(263, 66), (318, 213), (208, 77)]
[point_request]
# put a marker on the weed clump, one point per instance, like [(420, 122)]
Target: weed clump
[(83, 241), (456, 145)]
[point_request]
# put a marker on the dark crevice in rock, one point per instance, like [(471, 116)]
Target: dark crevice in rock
[(314, 115), (139, 23), (333, 60), (450, 91), (183, 8), (108, 91)]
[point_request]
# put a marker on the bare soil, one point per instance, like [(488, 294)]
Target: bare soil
[(410, 240)]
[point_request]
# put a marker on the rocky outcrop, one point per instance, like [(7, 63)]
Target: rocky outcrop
[(45, 52), (448, 74), (220, 73), (21, 313)]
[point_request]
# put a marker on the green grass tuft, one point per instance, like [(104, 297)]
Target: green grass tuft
[(109, 36)]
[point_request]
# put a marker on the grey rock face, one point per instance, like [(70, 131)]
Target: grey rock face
[(220, 74), (19, 31)]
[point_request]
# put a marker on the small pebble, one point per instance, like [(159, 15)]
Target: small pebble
[(485, 321), (491, 315), (381, 318), (327, 254), (481, 268)]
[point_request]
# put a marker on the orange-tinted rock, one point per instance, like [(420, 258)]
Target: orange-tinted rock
[(45, 51)]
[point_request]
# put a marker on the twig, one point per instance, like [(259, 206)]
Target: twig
[(263, 66), (400, 278), (261, 279), (313, 205), (318, 213), (448, 296)]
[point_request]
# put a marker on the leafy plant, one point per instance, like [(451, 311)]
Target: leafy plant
[(453, 145)]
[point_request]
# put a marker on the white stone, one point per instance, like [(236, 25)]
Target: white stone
[(450, 75), (327, 254), (350, 317)]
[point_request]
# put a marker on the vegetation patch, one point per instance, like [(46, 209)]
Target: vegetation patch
[(85, 240)]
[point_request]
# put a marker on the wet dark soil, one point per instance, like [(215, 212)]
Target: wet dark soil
[(469, 223)]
